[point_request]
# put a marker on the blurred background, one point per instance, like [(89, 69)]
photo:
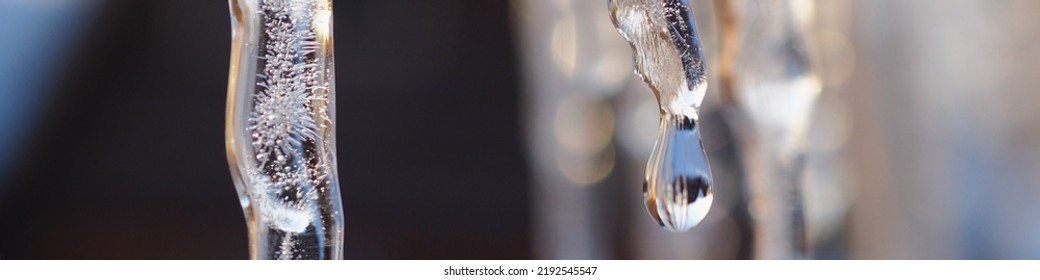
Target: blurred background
[(515, 130)]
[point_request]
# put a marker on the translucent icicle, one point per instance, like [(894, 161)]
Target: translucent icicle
[(667, 51), (280, 131)]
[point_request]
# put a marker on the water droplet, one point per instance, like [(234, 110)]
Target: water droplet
[(678, 186)]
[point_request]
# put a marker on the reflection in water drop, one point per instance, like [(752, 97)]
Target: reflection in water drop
[(667, 51)]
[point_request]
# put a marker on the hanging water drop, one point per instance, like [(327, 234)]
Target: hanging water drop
[(678, 187)]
